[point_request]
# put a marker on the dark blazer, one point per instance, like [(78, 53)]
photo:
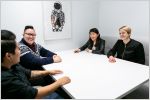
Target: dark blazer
[(132, 51), (100, 46)]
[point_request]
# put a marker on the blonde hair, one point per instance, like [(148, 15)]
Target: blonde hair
[(126, 28)]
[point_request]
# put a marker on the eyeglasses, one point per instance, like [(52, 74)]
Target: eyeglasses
[(31, 34)]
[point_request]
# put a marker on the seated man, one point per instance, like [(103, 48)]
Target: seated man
[(15, 79), (33, 55)]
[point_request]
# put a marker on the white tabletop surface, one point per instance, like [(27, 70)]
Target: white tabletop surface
[(93, 77)]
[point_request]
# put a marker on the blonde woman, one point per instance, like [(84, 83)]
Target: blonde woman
[(127, 48)]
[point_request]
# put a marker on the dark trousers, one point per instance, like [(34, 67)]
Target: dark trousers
[(43, 81)]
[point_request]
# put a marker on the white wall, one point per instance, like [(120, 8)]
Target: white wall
[(107, 15), (16, 14), (115, 13)]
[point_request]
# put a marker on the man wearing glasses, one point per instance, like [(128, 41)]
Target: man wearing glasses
[(33, 55)]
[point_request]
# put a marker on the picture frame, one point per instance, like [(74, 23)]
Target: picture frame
[(57, 19)]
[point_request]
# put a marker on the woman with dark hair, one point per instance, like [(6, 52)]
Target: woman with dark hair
[(15, 82), (95, 44)]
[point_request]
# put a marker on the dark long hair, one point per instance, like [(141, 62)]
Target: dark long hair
[(95, 30)]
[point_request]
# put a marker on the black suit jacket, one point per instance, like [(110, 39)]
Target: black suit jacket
[(100, 46), (132, 51)]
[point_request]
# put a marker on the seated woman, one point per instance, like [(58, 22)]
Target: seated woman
[(95, 44), (15, 78), (127, 48)]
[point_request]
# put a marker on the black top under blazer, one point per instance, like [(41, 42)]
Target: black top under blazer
[(99, 46), (132, 51)]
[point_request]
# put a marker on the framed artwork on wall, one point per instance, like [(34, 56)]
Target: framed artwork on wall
[(57, 19)]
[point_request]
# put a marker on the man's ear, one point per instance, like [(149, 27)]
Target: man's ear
[(8, 55)]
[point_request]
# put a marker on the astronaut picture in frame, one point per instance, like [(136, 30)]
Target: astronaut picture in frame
[(57, 19)]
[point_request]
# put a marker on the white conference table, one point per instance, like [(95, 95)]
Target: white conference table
[(93, 77)]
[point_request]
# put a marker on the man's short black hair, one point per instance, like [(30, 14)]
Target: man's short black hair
[(28, 27), (7, 35), (8, 43)]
